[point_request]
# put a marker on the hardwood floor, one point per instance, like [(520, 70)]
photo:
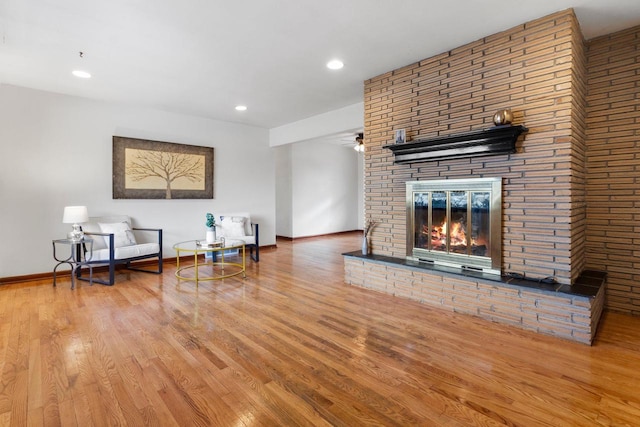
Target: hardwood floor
[(292, 345)]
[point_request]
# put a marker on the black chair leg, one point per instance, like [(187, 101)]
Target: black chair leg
[(144, 270), (255, 257), (91, 279)]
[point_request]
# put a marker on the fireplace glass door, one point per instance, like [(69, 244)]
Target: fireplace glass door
[(452, 221), (461, 229)]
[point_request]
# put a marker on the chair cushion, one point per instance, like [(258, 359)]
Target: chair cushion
[(93, 227), (122, 234), (248, 240), (248, 230), (231, 227), (233, 242), (127, 251), (98, 241)]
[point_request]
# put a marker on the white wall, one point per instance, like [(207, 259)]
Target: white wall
[(57, 150), (324, 192), (310, 152), (284, 220), (346, 119), (336, 176)]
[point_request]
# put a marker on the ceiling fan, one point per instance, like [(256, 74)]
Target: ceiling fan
[(353, 139), (359, 147)]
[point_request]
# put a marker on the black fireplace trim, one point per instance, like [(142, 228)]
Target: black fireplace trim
[(486, 142)]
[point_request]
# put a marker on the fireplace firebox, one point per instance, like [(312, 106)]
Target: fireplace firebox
[(456, 222)]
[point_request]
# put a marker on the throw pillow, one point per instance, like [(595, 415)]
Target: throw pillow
[(232, 226), (122, 234)]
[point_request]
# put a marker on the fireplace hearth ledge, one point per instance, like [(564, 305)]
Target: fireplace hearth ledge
[(567, 311), (586, 285)]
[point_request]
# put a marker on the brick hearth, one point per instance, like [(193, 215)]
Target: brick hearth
[(570, 312)]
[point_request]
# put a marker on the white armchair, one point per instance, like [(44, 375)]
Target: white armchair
[(114, 242), (238, 226)]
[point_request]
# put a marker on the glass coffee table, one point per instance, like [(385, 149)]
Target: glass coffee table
[(219, 267)]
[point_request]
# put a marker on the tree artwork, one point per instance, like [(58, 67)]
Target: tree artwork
[(147, 169), (165, 166)]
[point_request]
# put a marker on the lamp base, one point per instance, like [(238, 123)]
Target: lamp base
[(76, 234)]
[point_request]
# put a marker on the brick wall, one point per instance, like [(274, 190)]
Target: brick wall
[(613, 165), (538, 70), (578, 155)]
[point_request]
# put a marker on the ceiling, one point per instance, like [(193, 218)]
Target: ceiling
[(204, 57)]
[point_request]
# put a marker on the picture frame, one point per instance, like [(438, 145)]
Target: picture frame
[(147, 169), (400, 136)]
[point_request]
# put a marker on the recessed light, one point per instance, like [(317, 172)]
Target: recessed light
[(241, 107), (335, 64), (81, 74)]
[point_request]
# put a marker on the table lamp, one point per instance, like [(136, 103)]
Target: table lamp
[(75, 215)]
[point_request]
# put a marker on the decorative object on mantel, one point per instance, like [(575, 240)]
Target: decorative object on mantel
[(486, 142), (503, 117), (75, 215), (365, 238), (211, 228), (401, 136)]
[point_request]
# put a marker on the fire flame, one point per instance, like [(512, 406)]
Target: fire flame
[(457, 235), (457, 239)]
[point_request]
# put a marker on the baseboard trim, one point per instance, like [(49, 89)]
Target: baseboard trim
[(67, 273), (317, 235), (31, 277)]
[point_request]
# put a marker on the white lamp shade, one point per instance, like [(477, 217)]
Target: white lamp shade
[(75, 214)]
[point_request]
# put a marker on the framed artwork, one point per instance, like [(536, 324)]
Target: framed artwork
[(145, 169), (401, 136)]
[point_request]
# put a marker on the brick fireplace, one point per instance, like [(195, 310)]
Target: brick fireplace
[(538, 70)]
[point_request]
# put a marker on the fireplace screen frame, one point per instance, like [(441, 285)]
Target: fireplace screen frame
[(492, 262)]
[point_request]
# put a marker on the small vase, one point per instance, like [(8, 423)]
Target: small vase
[(211, 235), (503, 117), (365, 246)]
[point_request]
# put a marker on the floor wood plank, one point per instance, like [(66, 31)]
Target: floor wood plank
[(291, 344)]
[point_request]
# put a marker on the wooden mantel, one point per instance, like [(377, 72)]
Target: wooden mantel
[(486, 142)]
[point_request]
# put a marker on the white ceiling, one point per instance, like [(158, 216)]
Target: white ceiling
[(203, 57)]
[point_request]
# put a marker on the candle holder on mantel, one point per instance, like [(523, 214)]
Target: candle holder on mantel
[(503, 117)]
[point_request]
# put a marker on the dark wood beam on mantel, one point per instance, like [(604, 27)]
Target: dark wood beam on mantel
[(486, 142)]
